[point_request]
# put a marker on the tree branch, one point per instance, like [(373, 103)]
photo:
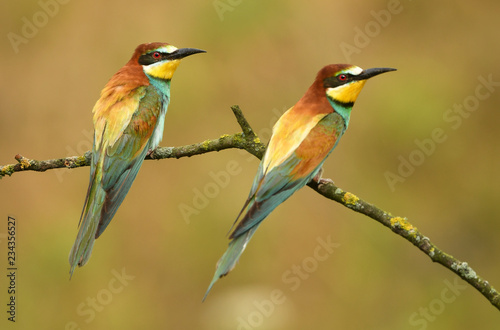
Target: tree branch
[(250, 142), (247, 141), (405, 229)]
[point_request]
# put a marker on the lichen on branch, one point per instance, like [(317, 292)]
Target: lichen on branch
[(249, 141)]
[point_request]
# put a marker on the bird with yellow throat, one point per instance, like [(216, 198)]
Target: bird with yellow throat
[(128, 123), (301, 141)]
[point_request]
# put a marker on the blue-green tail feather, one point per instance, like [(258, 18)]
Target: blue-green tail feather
[(268, 191), (103, 200), (82, 248), (230, 257)]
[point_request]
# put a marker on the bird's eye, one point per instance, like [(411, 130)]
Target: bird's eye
[(342, 77), (156, 55)]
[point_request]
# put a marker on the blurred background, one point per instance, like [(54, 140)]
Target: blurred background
[(422, 143)]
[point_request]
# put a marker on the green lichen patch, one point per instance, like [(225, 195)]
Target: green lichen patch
[(24, 163), (238, 139), (82, 160), (6, 170), (205, 144), (464, 270)]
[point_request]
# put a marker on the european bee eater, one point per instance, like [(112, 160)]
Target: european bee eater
[(301, 141), (128, 123)]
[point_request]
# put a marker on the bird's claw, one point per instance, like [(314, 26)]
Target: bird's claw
[(325, 181), (150, 152), (319, 180), (317, 177)]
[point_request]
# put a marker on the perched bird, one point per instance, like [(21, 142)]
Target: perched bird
[(301, 141), (128, 123)]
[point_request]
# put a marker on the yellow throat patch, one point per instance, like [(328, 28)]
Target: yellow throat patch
[(162, 70), (346, 93)]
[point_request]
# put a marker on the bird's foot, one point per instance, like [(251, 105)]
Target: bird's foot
[(325, 181), (151, 153), (317, 177), (319, 180)]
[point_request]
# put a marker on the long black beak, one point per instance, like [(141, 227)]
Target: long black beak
[(183, 52), (368, 73)]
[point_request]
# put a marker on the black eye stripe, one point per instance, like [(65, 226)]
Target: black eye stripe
[(149, 58), (335, 81)]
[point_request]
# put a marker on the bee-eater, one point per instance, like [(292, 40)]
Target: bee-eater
[(128, 123), (301, 141)]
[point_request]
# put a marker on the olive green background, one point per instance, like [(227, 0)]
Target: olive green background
[(262, 55)]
